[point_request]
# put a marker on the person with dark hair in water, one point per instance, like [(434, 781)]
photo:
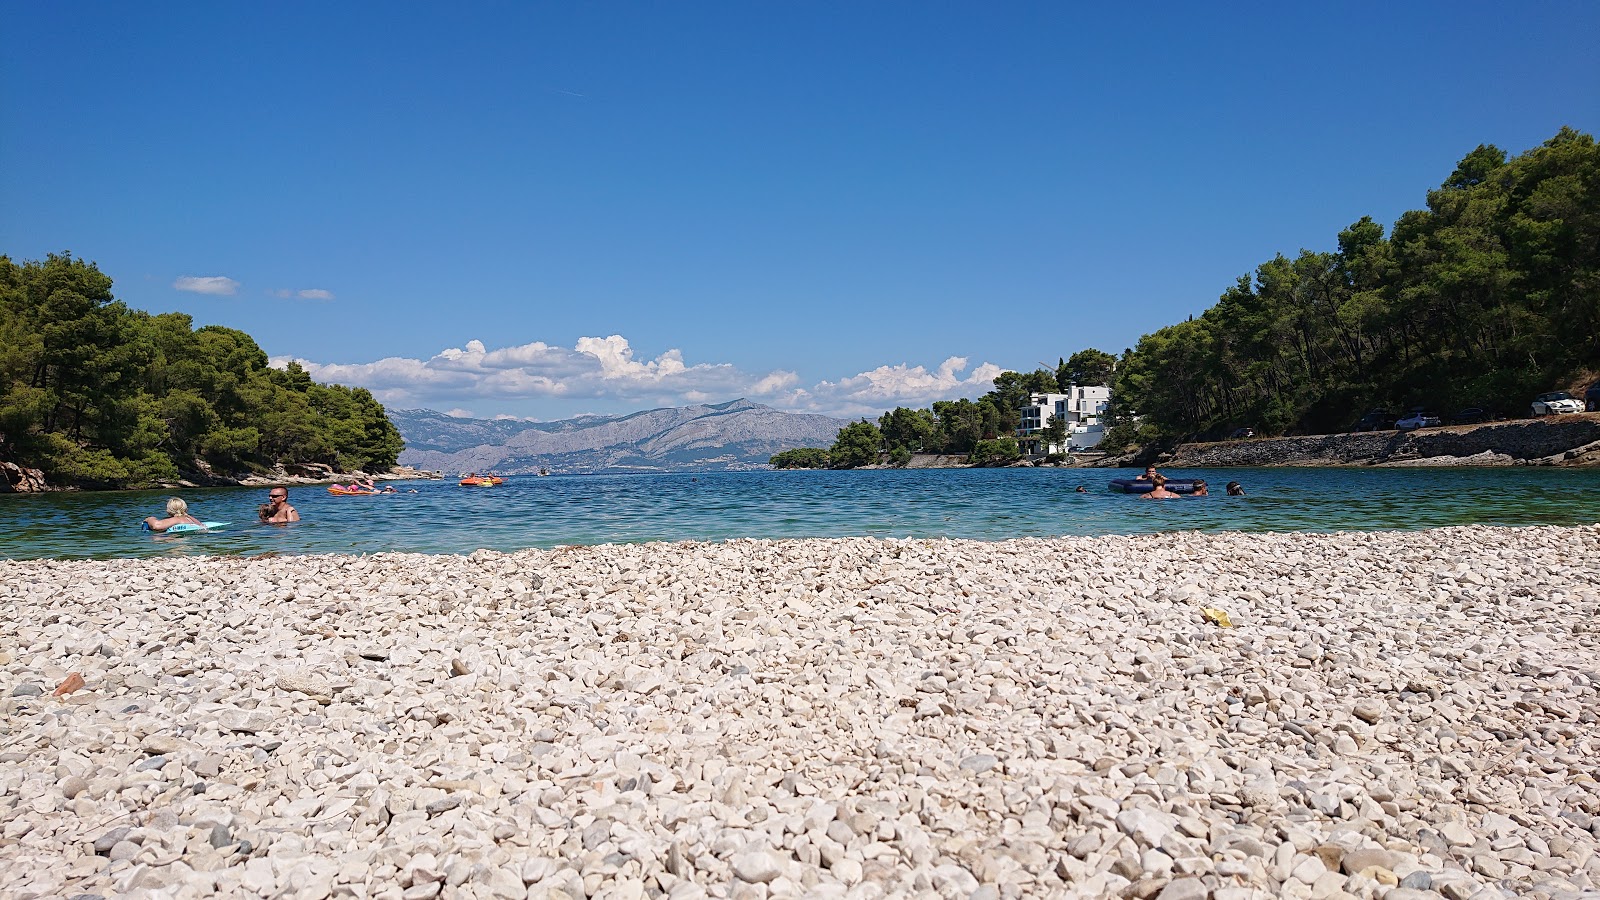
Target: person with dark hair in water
[(277, 511), (1149, 474), (1081, 490), (1200, 489), (1235, 489)]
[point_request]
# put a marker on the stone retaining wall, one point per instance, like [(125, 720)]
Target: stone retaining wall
[(1548, 441)]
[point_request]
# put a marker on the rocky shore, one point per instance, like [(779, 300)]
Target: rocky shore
[(1570, 440), (23, 480), (1394, 715)]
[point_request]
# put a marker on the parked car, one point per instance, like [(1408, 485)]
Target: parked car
[(1241, 433), (1472, 415), (1375, 420), (1556, 403), (1418, 418), (1591, 398)]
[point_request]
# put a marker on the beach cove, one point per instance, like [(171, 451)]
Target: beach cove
[(1390, 714), (978, 504)]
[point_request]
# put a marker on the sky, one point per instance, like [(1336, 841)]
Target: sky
[(542, 210)]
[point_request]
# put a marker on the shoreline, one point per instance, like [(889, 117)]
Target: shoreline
[(848, 717), (1568, 441), (21, 480)]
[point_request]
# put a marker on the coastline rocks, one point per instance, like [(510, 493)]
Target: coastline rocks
[(1568, 440), (15, 479), (851, 718)]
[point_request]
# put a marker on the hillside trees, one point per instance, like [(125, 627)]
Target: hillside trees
[(857, 445), (908, 429), (1086, 367), (800, 458), (1488, 295), (97, 394)]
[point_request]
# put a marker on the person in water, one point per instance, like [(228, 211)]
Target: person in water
[(177, 514), (1199, 489), (1081, 490), (1149, 474), (1160, 491), (277, 510), (1235, 489)]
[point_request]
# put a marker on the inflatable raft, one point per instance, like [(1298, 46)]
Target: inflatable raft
[(482, 481), (1135, 486), (343, 491)]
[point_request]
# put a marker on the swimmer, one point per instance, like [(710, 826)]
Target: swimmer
[(1160, 492), (177, 514)]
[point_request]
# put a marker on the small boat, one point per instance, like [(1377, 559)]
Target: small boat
[(482, 481), (1135, 486), (543, 471)]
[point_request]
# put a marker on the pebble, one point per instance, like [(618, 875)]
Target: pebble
[(759, 866), (1184, 889), (1417, 881), (852, 718)]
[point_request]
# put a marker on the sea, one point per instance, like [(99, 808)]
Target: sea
[(983, 504)]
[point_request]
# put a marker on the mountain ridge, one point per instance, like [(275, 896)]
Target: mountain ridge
[(729, 436)]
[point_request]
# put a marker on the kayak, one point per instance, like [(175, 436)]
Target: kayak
[(1135, 486)]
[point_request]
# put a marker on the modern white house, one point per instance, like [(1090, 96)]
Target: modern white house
[(1082, 407)]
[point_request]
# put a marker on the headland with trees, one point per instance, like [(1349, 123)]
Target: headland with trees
[(1484, 298), (98, 395)]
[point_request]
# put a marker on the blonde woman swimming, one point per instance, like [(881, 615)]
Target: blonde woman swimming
[(177, 514)]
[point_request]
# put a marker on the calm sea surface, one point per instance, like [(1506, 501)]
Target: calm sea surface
[(988, 504)]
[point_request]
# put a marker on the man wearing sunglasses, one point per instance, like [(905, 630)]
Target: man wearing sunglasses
[(277, 511)]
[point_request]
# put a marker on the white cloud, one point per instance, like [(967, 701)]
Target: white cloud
[(605, 369), (215, 285), (459, 413), (899, 385), (308, 294)]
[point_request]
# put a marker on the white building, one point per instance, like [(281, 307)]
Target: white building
[(1082, 408)]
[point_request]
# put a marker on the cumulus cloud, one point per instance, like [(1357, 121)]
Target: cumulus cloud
[(307, 294), (607, 370), (215, 285), (898, 385)]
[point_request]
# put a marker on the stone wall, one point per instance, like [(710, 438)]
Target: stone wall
[(1549, 441)]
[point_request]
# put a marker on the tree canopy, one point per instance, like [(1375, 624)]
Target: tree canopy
[(100, 395), (1484, 298), (1488, 296)]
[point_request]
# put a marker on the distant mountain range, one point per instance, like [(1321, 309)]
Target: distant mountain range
[(717, 437)]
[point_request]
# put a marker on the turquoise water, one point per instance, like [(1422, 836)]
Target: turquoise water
[(988, 504)]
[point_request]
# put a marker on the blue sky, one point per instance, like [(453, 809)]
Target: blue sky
[(542, 210)]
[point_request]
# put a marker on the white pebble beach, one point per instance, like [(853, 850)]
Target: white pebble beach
[(1391, 715)]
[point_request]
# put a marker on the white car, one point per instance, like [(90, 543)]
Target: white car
[(1556, 403), (1418, 419)]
